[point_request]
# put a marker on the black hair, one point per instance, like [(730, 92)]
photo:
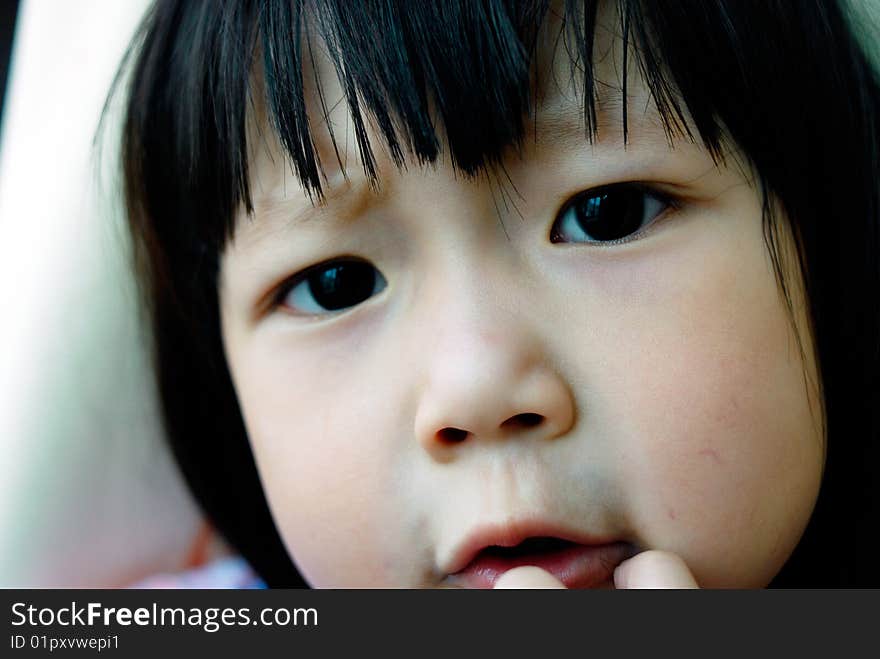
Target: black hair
[(784, 80)]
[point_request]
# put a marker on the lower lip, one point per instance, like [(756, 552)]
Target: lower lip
[(577, 566)]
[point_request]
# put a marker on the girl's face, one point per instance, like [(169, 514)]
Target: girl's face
[(491, 363)]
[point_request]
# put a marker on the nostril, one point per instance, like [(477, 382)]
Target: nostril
[(527, 420), (452, 435)]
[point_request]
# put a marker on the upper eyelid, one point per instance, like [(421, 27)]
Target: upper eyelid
[(674, 201), (646, 187)]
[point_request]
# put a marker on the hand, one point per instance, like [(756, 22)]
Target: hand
[(527, 576), (654, 569), (649, 569)]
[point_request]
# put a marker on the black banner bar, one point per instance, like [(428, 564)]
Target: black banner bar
[(150, 623)]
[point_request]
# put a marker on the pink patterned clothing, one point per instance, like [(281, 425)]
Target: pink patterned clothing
[(227, 572)]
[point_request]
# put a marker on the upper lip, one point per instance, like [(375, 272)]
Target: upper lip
[(511, 533)]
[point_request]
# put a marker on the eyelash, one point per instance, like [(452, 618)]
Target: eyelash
[(644, 191)]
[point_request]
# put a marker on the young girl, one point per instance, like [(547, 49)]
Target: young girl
[(441, 290)]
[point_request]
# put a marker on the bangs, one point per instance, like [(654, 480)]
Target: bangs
[(455, 76)]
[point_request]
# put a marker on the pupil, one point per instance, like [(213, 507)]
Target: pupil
[(343, 285), (611, 215)]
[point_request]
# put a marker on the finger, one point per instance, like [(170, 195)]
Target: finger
[(527, 576), (654, 569)]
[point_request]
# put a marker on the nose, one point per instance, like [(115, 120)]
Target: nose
[(488, 384)]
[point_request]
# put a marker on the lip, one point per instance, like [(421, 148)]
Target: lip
[(585, 561)]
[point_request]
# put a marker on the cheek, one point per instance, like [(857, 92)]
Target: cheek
[(316, 437), (722, 444)]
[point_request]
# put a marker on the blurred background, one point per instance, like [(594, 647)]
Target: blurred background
[(88, 494)]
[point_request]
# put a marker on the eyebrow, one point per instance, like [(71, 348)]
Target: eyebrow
[(348, 199), (559, 117)]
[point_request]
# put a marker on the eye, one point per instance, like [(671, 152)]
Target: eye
[(609, 215), (332, 286)]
